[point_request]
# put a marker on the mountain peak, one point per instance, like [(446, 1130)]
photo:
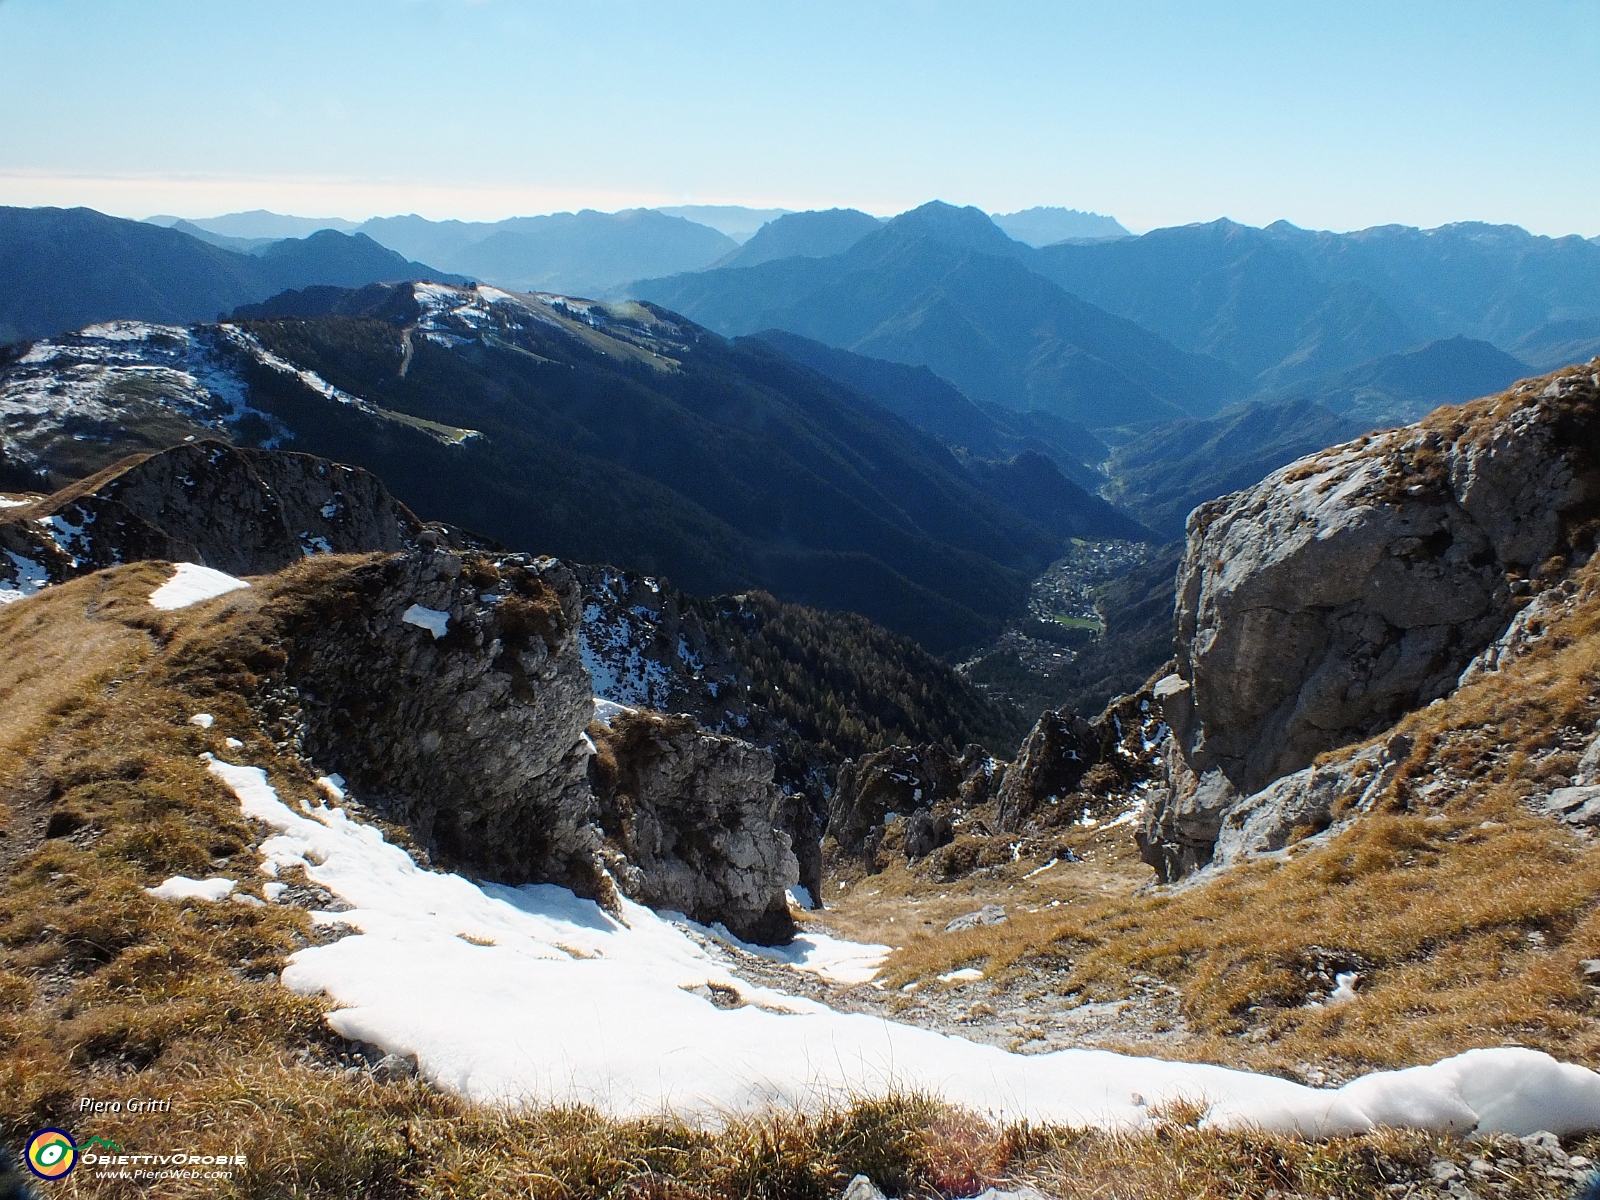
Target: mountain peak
[(968, 228)]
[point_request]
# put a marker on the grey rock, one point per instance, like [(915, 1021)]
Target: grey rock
[(1178, 834), (1347, 589), (475, 741), (1205, 822), (1353, 586), (903, 780), (479, 741), (861, 1188), (246, 512), (1053, 760), (691, 823), (1444, 1171), (1307, 801), (1575, 805), (926, 831), (1526, 630), (1587, 772), (394, 1068), (989, 914), (1543, 1147)]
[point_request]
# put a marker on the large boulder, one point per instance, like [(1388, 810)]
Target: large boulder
[(1341, 592), (1051, 764), (1356, 585), (694, 823)]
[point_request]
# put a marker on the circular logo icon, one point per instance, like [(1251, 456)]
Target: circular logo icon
[(52, 1154)]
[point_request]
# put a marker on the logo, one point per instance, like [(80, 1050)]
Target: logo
[(52, 1154)]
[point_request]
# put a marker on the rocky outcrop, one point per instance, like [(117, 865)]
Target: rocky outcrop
[(455, 701), (246, 512), (1350, 588), (903, 781), (1051, 764), (694, 823), (1069, 766), (1341, 592), (451, 694)]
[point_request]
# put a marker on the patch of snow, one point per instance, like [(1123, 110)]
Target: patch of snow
[(606, 711), (190, 584), (431, 619), (181, 887), (204, 720), (1041, 870), (7, 502), (233, 743), (800, 896), (311, 545), (1346, 989), (964, 975), (829, 958), (31, 578), (273, 890), (572, 1005)]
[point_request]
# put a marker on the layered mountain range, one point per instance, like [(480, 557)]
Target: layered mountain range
[(619, 434)]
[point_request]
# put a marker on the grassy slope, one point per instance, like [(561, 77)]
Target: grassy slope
[(1473, 911), (105, 991)]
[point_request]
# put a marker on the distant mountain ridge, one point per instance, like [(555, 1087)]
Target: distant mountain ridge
[(63, 269), (944, 288), (803, 235), (1397, 389), (1043, 226)]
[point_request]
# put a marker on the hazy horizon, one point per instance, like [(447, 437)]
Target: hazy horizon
[(1156, 114)]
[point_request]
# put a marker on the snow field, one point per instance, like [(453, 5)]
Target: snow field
[(190, 584), (552, 1000)]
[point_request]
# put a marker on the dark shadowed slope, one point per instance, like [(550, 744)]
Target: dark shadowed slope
[(942, 409), (601, 433)]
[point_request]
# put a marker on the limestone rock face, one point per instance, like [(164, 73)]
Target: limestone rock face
[(694, 823), (474, 739), (246, 512), (1348, 588), (1352, 587)]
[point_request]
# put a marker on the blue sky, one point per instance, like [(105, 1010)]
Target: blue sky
[(1329, 115)]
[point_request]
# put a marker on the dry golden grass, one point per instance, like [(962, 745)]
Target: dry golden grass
[(107, 992), (1472, 910)]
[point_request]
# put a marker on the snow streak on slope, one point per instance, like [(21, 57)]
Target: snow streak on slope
[(531, 995)]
